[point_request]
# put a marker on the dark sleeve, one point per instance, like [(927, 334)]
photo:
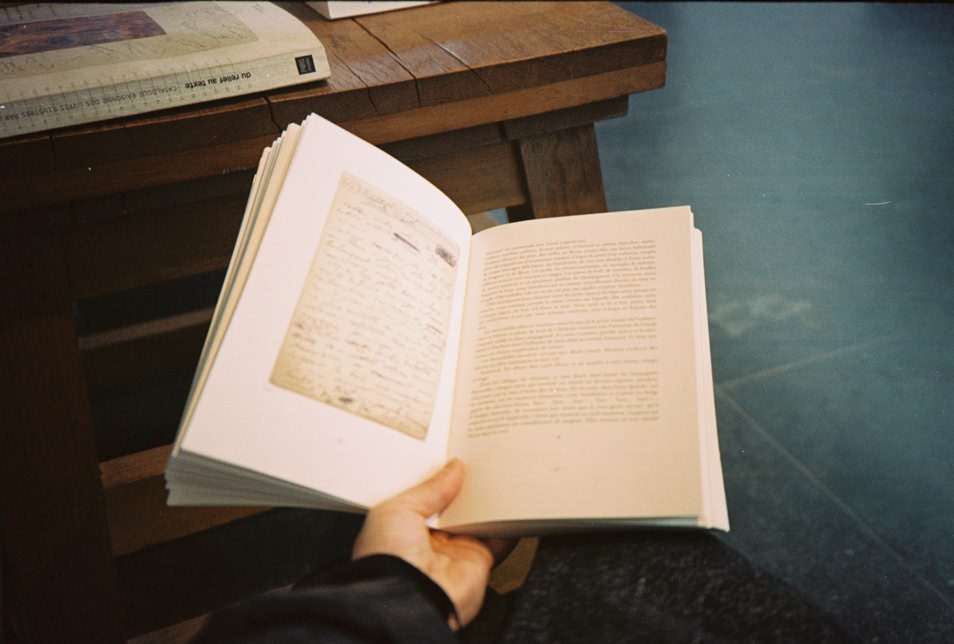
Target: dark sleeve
[(375, 599)]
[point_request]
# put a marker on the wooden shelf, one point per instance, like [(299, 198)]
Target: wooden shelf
[(492, 102), (136, 510)]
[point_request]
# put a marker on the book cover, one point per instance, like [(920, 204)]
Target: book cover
[(67, 64)]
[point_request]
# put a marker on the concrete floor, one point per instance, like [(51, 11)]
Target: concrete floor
[(816, 146)]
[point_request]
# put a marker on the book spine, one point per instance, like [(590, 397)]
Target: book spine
[(126, 96)]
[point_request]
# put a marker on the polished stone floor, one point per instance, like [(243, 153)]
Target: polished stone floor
[(815, 144)]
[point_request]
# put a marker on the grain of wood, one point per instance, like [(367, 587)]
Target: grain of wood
[(492, 102), (53, 515)]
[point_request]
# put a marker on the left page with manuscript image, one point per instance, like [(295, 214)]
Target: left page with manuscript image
[(343, 307), (377, 357)]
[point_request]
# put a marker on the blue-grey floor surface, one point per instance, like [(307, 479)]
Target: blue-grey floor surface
[(815, 144)]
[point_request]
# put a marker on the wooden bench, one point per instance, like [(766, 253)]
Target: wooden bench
[(113, 239)]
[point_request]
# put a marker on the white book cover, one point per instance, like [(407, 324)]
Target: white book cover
[(65, 64)]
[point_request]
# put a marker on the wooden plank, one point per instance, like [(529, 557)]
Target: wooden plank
[(137, 467), (189, 127), (64, 185), (11, 629), (479, 179), (126, 252), (379, 67), (135, 493), (131, 174), (457, 51), (197, 127), (510, 573), (444, 142), (27, 154), (53, 513), (563, 173), (181, 195), (528, 44), (511, 105), (139, 517), (119, 358), (35, 222), (130, 419), (91, 144), (440, 76), (581, 52), (366, 79), (566, 118), (98, 208), (462, 50)]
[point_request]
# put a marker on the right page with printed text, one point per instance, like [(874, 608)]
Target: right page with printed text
[(576, 394)]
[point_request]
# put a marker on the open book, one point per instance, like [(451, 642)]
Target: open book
[(363, 337)]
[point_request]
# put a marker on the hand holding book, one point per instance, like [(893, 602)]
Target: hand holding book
[(458, 563)]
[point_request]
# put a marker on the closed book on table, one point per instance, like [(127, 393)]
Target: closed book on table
[(67, 64)]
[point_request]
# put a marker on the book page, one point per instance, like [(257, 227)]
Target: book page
[(272, 431), (370, 328), (266, 186), (577, 378), (584, 316), (715, 510)]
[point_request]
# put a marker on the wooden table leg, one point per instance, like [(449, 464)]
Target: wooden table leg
[(52, 518), (562, 171)]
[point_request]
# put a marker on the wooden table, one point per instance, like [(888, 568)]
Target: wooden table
[(494, 103)]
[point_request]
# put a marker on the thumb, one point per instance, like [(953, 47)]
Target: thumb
[(436, 493)]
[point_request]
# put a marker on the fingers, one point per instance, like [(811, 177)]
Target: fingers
[(446, 542), (436, 493), (500, 548), (495, 550)]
